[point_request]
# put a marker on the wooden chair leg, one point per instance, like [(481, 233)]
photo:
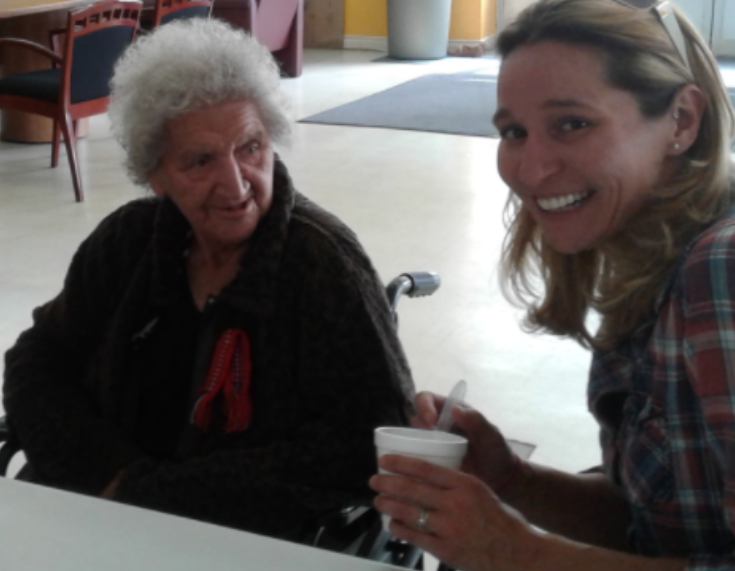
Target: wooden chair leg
[(55, 144), (291, 56), (70, 141), (251, 18)]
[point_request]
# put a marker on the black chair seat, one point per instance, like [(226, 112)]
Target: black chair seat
[(43, 84)]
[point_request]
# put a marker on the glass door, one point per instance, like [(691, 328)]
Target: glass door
[(700, 13), (723, 28)]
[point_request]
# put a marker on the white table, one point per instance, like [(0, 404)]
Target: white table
[(43, 529)]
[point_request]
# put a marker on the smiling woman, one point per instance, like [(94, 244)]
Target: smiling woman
[(653, 129), (616, 148), (223, 349), (580, 156)]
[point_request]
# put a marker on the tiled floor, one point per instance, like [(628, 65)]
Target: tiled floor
[(416, 200)]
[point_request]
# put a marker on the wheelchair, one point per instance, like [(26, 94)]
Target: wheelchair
[(356, 530)]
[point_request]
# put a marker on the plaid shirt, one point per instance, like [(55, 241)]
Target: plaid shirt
[(665, 402)]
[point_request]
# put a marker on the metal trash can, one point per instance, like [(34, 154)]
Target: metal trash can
[(418, 29)]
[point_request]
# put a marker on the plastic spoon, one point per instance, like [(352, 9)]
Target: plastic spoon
[(455, 397)]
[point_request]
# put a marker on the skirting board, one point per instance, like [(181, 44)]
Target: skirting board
[(380, 43), (373, 43)]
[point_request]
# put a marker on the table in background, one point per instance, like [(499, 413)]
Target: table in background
[(46, 529), (30, 20)]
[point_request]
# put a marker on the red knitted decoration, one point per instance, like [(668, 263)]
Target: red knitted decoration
[(229, 375)]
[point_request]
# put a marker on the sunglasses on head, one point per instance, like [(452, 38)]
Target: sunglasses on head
[(664, 11)]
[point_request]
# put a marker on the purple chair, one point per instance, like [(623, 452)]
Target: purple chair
[(277, 24)]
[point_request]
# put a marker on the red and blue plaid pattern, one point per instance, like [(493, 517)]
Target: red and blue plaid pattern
[(665, 402)]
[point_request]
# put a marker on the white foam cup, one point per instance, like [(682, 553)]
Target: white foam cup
[(433, 446)]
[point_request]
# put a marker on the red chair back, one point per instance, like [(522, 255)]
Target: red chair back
[(95, 38)]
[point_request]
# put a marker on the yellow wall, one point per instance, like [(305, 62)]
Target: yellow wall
[(471, 19), (466, 22), (366, 18), (490, 19)]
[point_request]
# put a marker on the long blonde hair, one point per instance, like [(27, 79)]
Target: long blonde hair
[(622, 278)]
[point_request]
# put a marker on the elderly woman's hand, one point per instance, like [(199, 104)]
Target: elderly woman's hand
[(488, 455), (467, 526)]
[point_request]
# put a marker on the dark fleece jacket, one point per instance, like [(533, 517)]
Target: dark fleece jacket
[(327, 369)]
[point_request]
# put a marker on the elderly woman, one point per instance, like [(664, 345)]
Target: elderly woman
[(616, 132), (224, 349)]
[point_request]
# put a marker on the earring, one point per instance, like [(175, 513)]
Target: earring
[(677, 146), (676, 114)]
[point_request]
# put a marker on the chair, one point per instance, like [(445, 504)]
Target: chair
[(78, 86), (277, 24), (165, 11), (355, 530), (358, 531)]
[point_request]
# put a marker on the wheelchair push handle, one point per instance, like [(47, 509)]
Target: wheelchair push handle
[(413, 284)]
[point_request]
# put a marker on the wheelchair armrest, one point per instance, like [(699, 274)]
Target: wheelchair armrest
[(378, 545), (358, 531), (337, 530)]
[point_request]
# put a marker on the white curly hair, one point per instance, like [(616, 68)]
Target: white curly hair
[(183, 66)]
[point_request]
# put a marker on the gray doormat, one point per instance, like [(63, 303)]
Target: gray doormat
[(388, 59), (458, 103)]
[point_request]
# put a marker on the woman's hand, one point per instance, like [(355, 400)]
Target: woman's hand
[(470, 529), (467, 526), (488, 455)]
